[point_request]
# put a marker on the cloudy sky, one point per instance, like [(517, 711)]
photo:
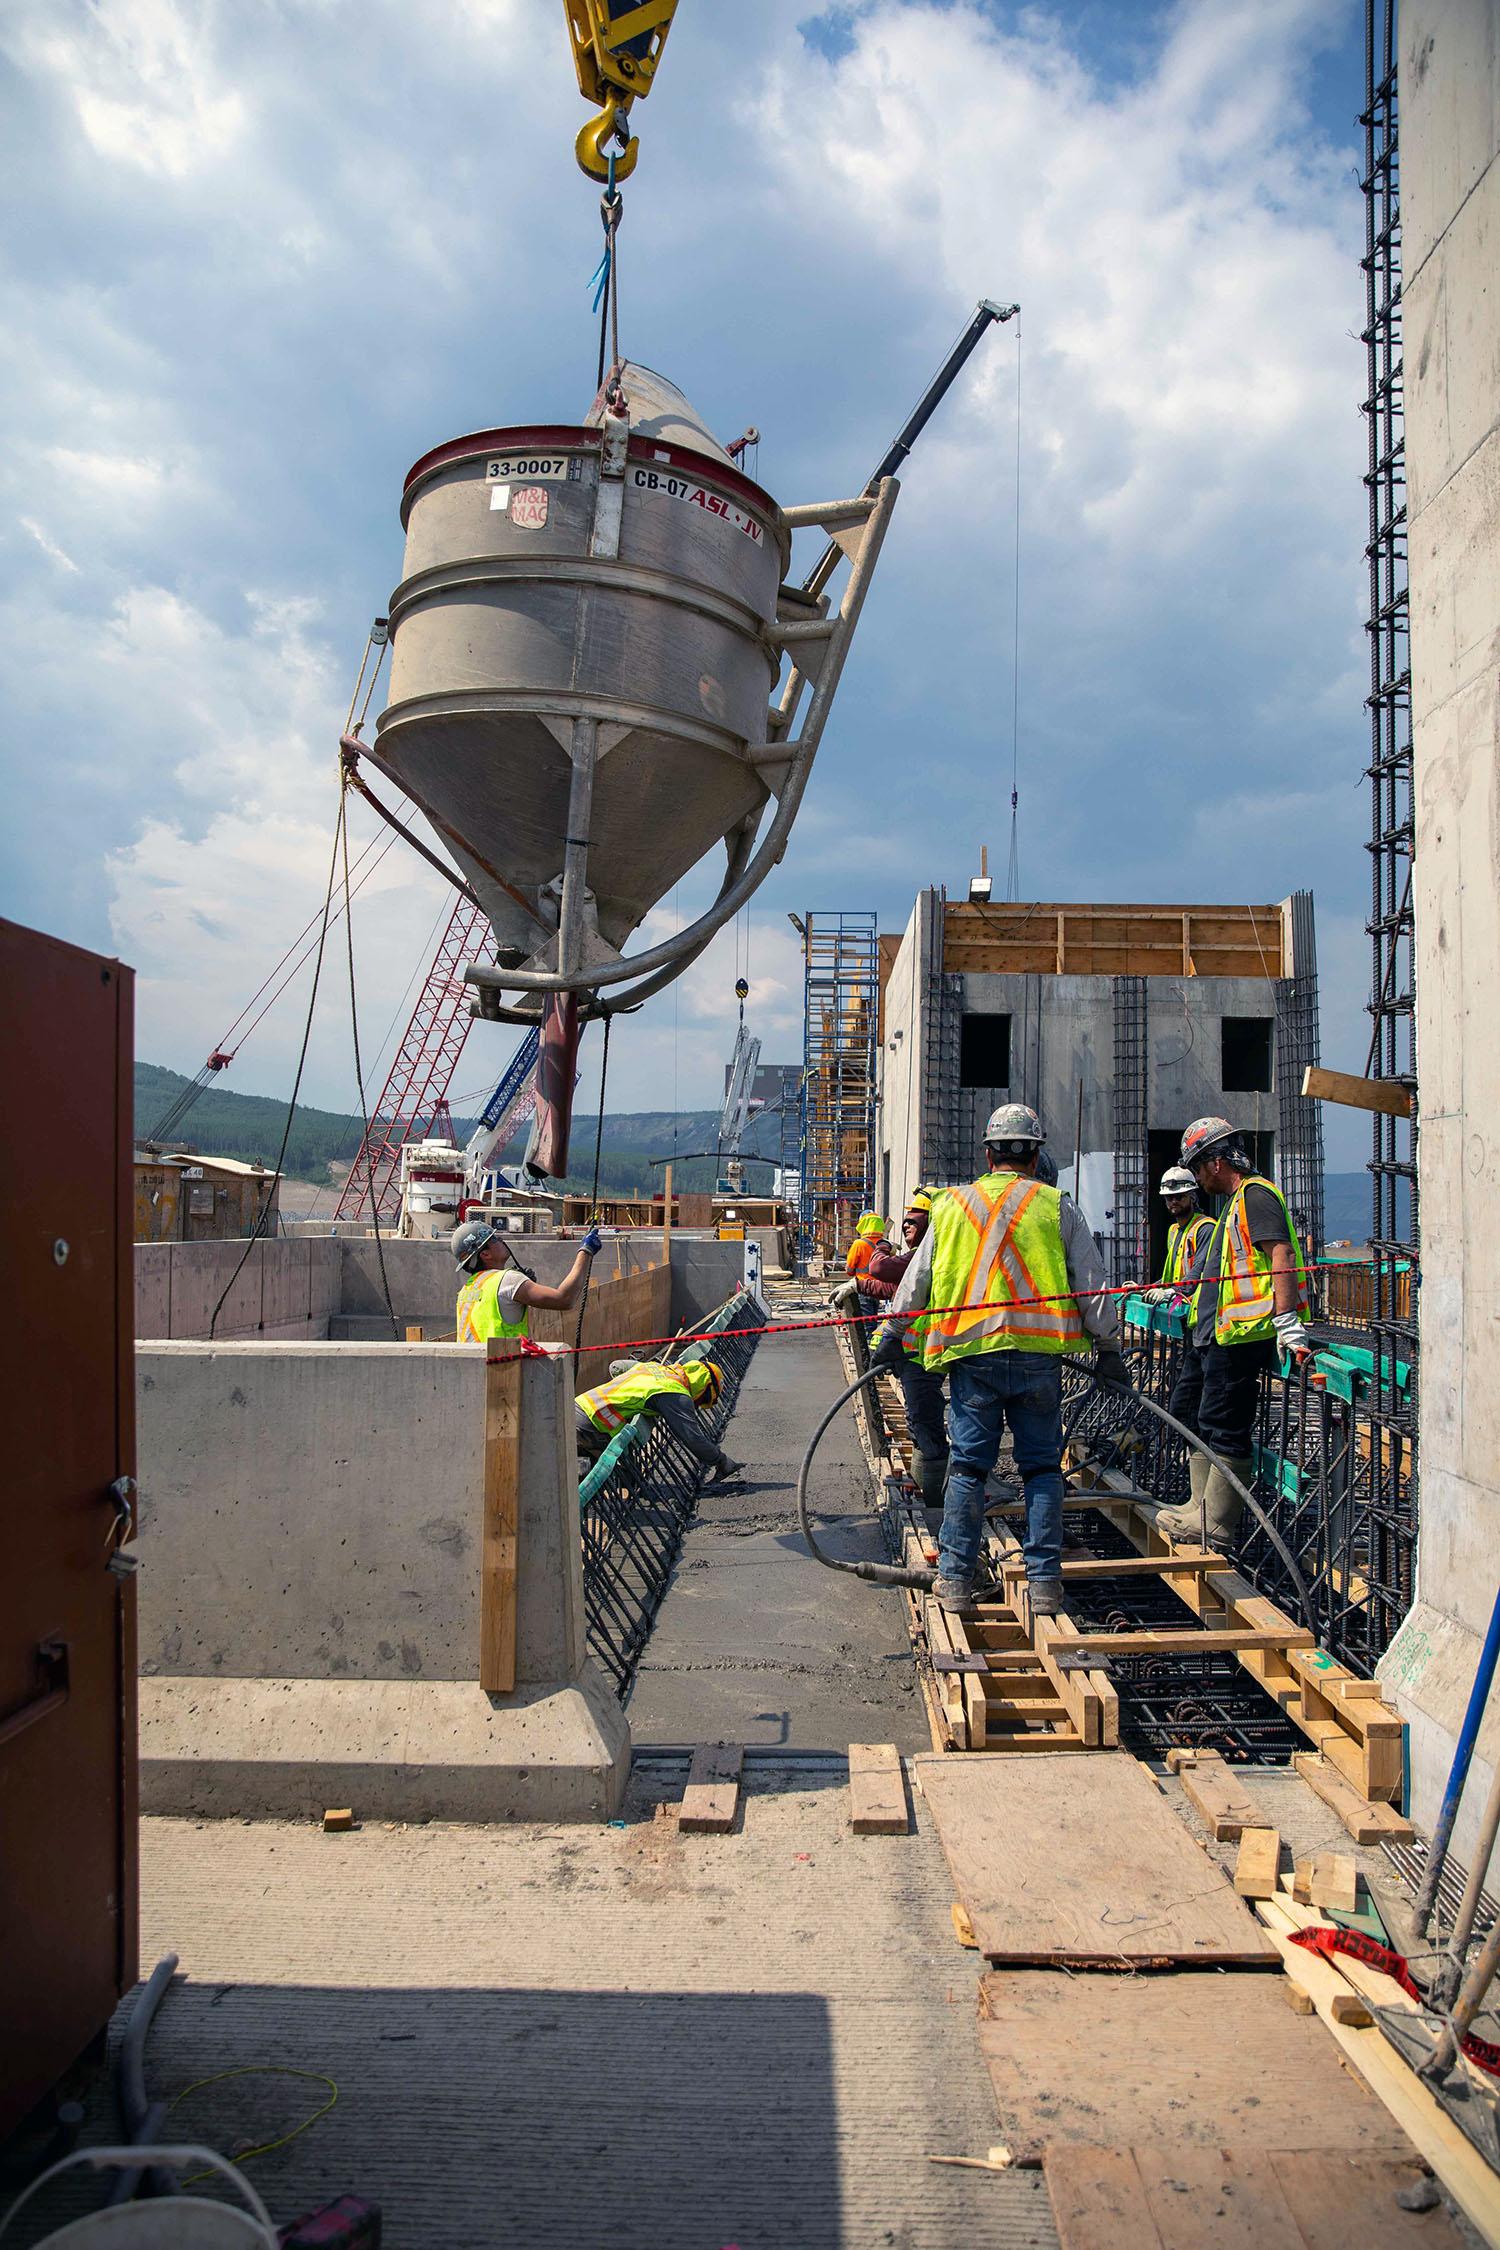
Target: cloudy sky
[(261, 257)]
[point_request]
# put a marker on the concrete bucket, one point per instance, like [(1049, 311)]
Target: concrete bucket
[(585, 655)]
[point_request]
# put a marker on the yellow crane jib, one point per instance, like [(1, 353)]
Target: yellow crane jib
[(617, 45)]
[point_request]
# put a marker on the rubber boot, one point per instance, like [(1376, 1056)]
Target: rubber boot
[(1225, 1505), (1186, 1522), (929, 1475)]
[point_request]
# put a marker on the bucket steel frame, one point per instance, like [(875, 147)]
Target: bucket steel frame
[(814, 637)]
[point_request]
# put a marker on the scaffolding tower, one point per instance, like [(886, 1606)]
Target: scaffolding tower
[(1393, 1159), (841, 1008)]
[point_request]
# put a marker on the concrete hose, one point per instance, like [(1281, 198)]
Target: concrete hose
[(877, 1574), (922, 1581)]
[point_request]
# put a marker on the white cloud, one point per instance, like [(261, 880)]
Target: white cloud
[(266, 263), (48, 545), (142, 77)]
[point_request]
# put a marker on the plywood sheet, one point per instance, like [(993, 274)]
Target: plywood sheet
[(1188, 2060), (1154, 2199), (1082, 1862)]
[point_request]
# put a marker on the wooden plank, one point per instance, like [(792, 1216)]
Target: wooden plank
[(1186, 1642), (1192, 1559), (1074, 1690), (1230, 2198), (1258, 1866), (712, 1795), (1336, 2200), (1052, 1871), (502, 1483), (1457, 2163), (1099, 2200), (1192, 2060), (1367, 1823), (1333, 1881), (877, 1790), (1220, 1803), (1383, 1095)]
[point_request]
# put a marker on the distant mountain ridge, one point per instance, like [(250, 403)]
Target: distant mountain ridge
[(325, 1142)]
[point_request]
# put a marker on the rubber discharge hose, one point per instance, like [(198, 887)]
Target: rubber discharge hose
[(922, 1581)]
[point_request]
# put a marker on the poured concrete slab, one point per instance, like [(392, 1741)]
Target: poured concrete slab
[(756, 1642), (580, 2037)]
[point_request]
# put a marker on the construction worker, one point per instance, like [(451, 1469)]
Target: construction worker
[(922, 1391), (869, 1232), (495, 1298), (1250, 1296), (1015, 1281), (677, 1395), (1189, 1227)]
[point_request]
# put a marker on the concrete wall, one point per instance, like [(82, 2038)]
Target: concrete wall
[(1062, 1030), (321, 1287), (287, 1290), (1450, 211), (310, 1511), (312, 1546)]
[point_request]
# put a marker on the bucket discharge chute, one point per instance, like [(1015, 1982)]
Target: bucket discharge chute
[(587, 686)]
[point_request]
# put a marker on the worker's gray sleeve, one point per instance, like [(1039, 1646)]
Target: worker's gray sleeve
[(685, 1422), (1086, 1274), (915, 1287)]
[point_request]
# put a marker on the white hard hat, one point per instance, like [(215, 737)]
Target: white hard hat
[(1177, 1180), (1013, 1121)]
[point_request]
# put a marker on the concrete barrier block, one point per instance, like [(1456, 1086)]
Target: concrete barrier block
[(419, 1750)]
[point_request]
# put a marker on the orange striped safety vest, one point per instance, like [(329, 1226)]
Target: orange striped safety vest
[(1245, 1311), (998, 1247)]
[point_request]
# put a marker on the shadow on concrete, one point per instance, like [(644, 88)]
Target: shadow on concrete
[(583, 2120)]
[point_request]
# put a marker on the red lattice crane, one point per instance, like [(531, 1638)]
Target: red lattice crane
[(416, 1086)]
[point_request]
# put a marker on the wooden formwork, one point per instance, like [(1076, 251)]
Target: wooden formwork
[(999, 1678)]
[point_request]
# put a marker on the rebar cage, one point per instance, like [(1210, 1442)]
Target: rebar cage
[(637, 1500), (1321, 1437)]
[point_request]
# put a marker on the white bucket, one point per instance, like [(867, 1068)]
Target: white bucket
[(175, 2222)]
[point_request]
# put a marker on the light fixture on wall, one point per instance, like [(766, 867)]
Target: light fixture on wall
[(980, 885)]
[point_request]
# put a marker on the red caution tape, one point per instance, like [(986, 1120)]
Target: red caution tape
[(1484, 2052)]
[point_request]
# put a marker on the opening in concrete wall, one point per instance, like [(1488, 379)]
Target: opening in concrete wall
[(1246, 1063), (984, 1050)]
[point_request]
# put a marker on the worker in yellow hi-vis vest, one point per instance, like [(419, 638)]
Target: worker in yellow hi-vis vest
[(494, 1296), (1014, 1280), (1251, 1296), (679, 1394)]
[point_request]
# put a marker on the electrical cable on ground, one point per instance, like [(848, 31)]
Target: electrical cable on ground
[(261, 2070)]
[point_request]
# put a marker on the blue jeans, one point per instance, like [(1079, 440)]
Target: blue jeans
[(923, 1394), (984, 1393)]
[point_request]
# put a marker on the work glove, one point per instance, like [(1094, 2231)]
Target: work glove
[(889, 1350), (845, 1296), (1157, 1295), (1111, 1368), (592, 1243), (1291, 1335)]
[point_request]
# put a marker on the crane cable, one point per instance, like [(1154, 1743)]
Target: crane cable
[(1013, 873), (359, 1075), (608, 1014), (340, 846), (605, 283)]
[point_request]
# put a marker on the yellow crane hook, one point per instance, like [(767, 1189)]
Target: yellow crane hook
[(591, 148)]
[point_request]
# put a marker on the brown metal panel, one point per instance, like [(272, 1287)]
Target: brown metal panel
[(68, 1884)]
